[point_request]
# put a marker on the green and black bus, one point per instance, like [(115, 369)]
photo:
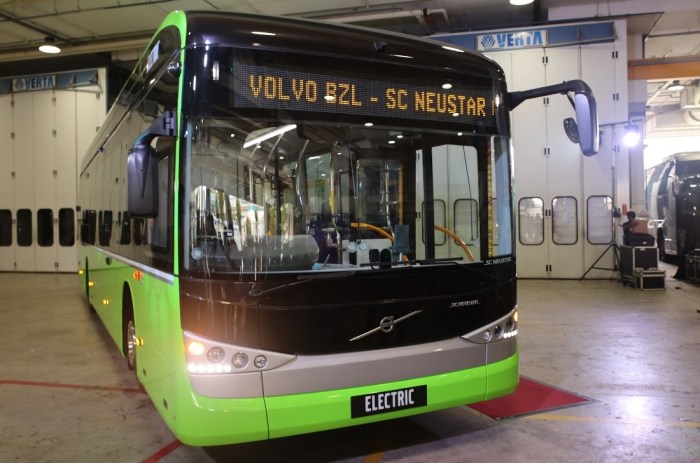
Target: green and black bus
[(290, 226)]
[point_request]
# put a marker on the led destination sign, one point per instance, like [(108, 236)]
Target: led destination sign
[(295, 90)]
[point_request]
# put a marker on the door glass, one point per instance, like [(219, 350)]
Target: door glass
[(531, 220), (24, 227), (600, 224), (66, 227), (5, 227), (564, 220), (44, 227)]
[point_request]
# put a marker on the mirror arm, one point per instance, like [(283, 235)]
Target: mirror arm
[(164, 126), (576, 86)]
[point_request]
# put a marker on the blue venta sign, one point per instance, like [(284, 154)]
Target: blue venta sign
[(27, 84), (511, 40)]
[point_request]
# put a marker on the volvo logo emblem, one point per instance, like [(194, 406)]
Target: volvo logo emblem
[(386, 324)]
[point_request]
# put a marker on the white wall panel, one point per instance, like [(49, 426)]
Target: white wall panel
[(564, 160), (547, 164), (564, 177), (23, 197), (601, 70), (42, 128), (90, 112), (65, 117), (43, 117), (7, 143), (532, 259), (44, 132), (66, 144), (528, 119), (7, 253), (24, 150)]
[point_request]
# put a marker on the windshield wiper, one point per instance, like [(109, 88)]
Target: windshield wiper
[(445, 260), (301, 279)]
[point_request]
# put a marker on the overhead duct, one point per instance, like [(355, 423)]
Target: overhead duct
[(690, 105), (690, 98), (420, 15)]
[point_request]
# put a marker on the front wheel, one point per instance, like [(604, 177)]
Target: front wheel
[(87, 288)]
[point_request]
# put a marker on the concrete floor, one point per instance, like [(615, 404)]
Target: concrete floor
[(66, 395)]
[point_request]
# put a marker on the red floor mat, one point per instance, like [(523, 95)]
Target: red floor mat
[(529, 397)]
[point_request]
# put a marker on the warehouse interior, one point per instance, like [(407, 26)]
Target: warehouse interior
[(591, 326)]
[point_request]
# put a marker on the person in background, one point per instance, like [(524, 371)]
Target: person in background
[(627, 227), (635, 232)]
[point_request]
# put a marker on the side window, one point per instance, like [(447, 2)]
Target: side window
[(531, 221), (160, 227), (150, 240), (599, 220), (564, 220), (125, 232), (105, 230), (138, 231), (88, 227)]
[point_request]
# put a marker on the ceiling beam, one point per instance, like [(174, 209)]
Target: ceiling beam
[(664, 68), (135, 43)]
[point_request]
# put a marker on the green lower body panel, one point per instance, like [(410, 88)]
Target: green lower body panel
[(502, 377), (205, 421), (312, 412), (225, 421)]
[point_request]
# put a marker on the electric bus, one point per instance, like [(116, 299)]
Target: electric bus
[(673, 197), (290, 226)]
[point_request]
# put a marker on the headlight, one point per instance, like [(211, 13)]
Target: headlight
[(503, 328), (209, 357), (240, 360)]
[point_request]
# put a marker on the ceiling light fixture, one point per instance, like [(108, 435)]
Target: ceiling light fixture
[(676, 86), (521, 2), (49, 46)]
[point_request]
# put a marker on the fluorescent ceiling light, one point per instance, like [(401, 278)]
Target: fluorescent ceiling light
[(521, 2), (267, 135), (676, 86)]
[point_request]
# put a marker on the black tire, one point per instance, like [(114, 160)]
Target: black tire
[(87, 288), (130, 339), (129, 334)]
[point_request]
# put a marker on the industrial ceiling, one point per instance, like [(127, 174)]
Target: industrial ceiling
[(95, 33)]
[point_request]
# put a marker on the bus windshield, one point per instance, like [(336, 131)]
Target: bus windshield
[(292, 168), (308, 196)]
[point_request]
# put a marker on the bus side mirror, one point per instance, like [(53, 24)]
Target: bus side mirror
[(584, 130), (586, 122), (142, 181)]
